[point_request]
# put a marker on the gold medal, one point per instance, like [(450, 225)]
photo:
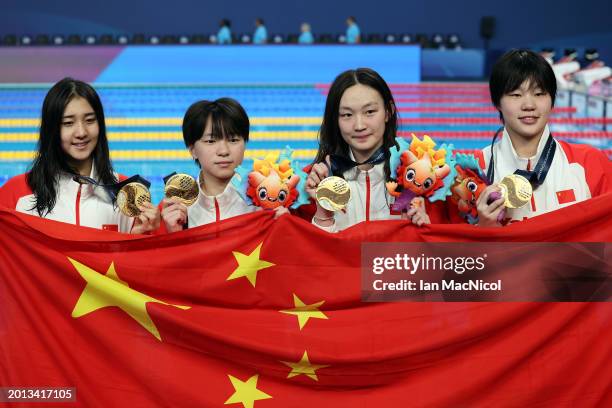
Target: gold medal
[(131, 196), (182, 186), (333, 193), (516, 191)]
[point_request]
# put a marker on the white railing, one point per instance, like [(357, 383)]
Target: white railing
[(588, 105)]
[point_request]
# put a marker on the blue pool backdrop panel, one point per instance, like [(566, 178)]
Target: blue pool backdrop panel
[(259, 64), (466, 64)]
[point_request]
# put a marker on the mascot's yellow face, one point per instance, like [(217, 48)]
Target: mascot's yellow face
[(418, 175), (271, 191)]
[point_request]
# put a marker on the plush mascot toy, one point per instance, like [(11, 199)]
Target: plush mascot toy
[(274, 181), (419, 172)]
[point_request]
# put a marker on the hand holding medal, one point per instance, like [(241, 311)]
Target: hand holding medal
[(181, 187), (133, 199), (332, 193), (128, 194), (515, 190), (180, 191), (471, 182)]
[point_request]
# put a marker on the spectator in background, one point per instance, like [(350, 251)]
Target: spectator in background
[(224, 36), (261, 33), (306, 36), (353, 34), (548, 54)]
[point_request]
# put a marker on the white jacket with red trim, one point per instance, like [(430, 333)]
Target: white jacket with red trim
[(577, 173), (78, 204), (369, 199), (209, 209)]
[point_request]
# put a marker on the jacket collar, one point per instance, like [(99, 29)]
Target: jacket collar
[(376, 173), (506, 150), (224, 199)]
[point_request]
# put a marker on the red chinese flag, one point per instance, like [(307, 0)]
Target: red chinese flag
[(256, 312)]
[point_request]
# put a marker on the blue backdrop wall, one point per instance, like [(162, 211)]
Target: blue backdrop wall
[(519, 23)]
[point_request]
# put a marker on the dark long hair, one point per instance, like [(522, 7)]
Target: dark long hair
[(330, 138), (51, 160)]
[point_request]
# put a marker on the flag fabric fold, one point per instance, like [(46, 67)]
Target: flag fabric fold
[(257, 312)]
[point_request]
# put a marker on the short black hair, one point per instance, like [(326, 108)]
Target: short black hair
[(518, 66), (227, 115)]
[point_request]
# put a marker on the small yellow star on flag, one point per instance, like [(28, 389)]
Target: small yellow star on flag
[(109, 290), (304, 312), (246, 392), (249, 265), (305, 367)]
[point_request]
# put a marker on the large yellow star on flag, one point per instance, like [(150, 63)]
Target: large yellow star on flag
[(305, 367), (109, 290), (246, 392), (249, 265), (304, 312)]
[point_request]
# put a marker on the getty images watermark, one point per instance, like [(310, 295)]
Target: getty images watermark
[(486, 272), (411, 264)]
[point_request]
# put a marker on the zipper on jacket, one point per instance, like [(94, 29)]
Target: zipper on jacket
[(533, 207), (367, 196), (217, 211), (77, 206)]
